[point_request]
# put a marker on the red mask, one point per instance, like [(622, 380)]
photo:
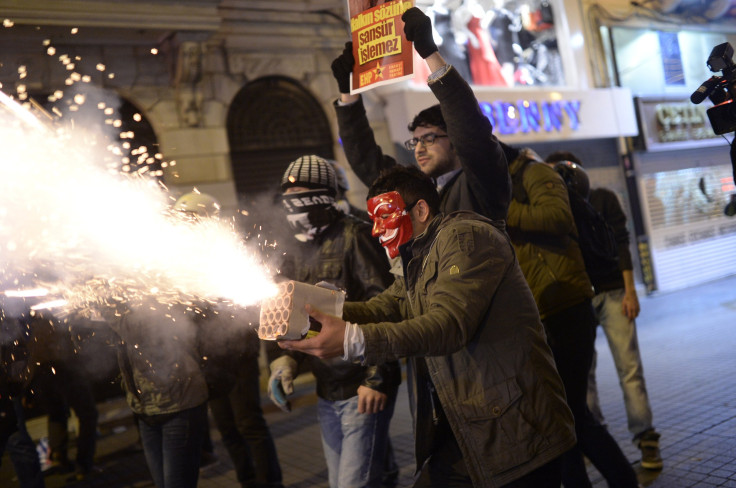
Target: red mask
[(391, 221)]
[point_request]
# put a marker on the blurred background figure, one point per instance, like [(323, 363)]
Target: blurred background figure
[(233, 379), (62, 383), (617, 305), (15, 374)]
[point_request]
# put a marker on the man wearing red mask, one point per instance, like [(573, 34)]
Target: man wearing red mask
[(391, 221), (487, 403)]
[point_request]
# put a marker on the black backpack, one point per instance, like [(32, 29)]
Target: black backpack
[(596, 239)]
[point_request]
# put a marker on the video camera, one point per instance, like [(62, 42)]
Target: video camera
[(722, 92), (720, 89)]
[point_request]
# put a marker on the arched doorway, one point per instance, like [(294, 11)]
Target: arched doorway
[(272, 121), (119, 121)]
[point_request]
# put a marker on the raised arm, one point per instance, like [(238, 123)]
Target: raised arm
[(364, 155)]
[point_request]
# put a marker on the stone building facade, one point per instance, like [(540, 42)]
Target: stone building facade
[(231, 90)]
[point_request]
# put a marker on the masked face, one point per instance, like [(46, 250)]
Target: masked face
[(391, 221), (309, 212)]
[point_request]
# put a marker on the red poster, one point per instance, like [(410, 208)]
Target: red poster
[(382, 53)]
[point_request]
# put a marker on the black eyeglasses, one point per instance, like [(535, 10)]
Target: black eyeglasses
[(426, 139)]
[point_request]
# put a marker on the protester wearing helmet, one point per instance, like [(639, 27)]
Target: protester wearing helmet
[(355, 403)]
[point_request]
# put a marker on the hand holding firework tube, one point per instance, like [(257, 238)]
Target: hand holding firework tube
[(283, 316), (329, 343)]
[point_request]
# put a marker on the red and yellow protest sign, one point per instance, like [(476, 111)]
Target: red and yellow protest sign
[(382, 53)]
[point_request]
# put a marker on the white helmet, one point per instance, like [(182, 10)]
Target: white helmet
[(199, 204)]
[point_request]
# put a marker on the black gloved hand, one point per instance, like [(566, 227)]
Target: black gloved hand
[(418, 29), (342, 66)]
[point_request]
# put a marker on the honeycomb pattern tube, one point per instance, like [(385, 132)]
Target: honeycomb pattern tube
[(283, 316)]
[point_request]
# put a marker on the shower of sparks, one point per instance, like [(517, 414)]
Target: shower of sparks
[(86, 237)]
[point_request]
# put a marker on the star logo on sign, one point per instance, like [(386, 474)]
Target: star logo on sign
[(379, 71)]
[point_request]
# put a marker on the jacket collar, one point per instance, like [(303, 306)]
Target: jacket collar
[(417, 245)]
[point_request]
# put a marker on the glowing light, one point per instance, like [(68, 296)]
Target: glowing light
[(75, 30), (102, 239), (100, 67), (576, 40), (51, 51), (8, 23), (154, 51), (32, 292), (50, 304)]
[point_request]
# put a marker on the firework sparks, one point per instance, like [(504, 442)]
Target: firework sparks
[(89, 237)]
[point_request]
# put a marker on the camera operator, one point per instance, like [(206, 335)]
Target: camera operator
[(721, 90)]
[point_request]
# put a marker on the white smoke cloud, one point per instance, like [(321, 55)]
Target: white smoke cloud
[(78, 228)]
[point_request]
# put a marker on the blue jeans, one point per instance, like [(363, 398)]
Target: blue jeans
[(172, 445), (621, 335), (354, 443)]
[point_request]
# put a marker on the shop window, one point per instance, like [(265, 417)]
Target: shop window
[(496, 42), (687, 196), (271, 122), (655, 63)]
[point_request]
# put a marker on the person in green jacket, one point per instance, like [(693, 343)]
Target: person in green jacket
[(543, 232), (487, 403)]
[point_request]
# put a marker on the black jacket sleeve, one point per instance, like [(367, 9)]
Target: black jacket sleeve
[(486, 172), (365, 156)]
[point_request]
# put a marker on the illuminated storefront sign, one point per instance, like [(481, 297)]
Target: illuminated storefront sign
[(531, 115), (682, 122), (671, 124), (526, 116)]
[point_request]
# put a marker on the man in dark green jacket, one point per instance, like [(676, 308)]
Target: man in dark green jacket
[(542, 229), (487, 403)]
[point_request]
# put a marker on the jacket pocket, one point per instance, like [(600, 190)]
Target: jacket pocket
[(498, 429)]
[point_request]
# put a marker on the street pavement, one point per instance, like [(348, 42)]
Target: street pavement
[(687, 339)]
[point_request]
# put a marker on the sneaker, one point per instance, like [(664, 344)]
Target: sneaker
[(649, 445)]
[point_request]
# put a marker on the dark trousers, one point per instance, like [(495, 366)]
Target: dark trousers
[(63, 385), (21, 449), (571, 336), (244, 431), (446, 469)]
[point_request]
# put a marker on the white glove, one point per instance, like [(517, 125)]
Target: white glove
[(281, 382)]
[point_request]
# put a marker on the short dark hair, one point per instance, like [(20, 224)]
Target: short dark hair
[(431, 116), (558, 156), (411, 183)]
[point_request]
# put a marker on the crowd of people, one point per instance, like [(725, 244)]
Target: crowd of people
[(468, 266)]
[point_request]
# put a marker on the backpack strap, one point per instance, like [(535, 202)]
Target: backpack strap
[(518, 192)]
